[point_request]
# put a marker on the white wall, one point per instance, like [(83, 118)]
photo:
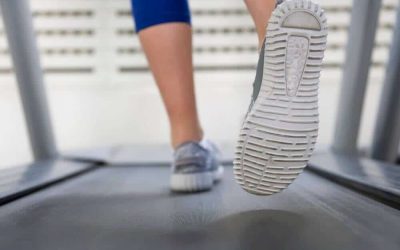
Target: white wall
[(86, 43)]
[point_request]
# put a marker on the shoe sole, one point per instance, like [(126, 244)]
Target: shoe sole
[(195, 182), (280, 131)]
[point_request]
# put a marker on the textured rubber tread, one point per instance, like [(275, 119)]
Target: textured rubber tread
[(280, 131)]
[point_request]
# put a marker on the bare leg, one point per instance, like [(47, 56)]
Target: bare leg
[(260, 11), (168, 49)]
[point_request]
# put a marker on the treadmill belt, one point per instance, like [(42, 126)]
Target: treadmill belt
[(132, 208)]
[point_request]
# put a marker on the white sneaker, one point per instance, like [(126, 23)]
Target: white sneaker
[(196, 167), (281, 127)]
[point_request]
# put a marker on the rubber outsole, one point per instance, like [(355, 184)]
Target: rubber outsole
[(195, 182), (280, 131)]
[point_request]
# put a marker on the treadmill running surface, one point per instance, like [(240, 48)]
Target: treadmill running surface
[(132, 208)]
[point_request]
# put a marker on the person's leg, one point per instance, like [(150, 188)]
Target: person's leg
[(168, 48), (260, 11), (165, 34)]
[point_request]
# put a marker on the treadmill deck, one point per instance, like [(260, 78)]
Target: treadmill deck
[(126, 207)]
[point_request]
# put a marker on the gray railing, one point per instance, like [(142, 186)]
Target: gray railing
[(24, 52), (387, 129), (364, 19)]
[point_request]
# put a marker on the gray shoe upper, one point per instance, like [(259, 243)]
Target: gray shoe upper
[(258, 79), (194, 157), (259, 74), (279, 2), (259, 71)]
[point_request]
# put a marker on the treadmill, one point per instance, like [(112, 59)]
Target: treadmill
[(119, 197)]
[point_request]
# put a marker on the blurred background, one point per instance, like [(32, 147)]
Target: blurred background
[(101, 92)]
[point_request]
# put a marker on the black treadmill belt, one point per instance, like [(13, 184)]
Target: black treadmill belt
[(132, 208), (16, 182), (380, 180)]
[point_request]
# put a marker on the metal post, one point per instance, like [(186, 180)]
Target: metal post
[(17, 19), (387, 129), (364, 18)]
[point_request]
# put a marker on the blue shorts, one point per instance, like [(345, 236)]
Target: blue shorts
[(147, 13)]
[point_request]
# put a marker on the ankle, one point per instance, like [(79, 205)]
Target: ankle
[(179, 137)]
